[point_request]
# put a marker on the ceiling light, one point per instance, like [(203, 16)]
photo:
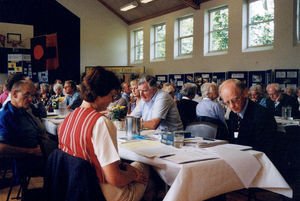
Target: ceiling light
[(129, 6), (146, 1)]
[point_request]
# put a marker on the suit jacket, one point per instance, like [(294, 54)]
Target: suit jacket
[(187, 111), (285, 101), (258, 128)]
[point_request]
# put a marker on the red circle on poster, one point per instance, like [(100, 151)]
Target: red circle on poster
[(38, 52)]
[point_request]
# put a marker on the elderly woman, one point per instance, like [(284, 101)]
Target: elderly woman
[(134, 96), (256, 95), (88, 134), (58, 89), (44, 90), (186, 106)]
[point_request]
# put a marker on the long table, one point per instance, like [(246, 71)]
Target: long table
[(205, 179)]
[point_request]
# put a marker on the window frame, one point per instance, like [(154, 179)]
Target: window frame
[(184, 37), (157, 42), (135, 46), (210, 29), (248, 26)]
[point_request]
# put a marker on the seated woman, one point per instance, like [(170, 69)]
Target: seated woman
[(44, 90), (134, 96), (58, 89), (88, 134)]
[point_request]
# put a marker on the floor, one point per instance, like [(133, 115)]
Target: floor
[(241, 195)]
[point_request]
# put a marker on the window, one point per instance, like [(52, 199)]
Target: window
[(260, 27), (218, 29), (185, 35), (159, 43), (138, 44)]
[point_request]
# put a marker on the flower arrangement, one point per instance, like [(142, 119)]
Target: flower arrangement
[(56, 101), (118, 112)]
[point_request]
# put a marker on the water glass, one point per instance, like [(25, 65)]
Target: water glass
[(178, 139), (286, 112)]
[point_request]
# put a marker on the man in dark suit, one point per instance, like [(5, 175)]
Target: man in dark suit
[(277, 100), (249, 123)]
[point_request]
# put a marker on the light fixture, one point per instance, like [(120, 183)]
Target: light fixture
[(146, 1), (129, 6)]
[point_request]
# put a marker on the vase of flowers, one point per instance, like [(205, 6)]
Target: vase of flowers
[(118, 114)]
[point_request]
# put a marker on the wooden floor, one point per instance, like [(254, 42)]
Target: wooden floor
[(233, 196)]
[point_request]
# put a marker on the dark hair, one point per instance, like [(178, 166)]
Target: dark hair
[(98, 82), (12, 79), (72, 84)]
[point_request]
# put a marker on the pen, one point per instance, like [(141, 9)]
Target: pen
[(209, 139), (166, 155)]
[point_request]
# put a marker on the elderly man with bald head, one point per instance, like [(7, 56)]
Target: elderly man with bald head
[(277, 100), (249, 123)]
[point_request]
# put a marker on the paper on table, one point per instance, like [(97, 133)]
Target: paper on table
[(149, 148), (192, 156), (236, 146), (244, 164)]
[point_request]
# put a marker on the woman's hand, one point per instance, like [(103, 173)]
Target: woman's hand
[(139, 176)]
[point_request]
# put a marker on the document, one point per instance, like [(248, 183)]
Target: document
[(191, 155), (149, 148)]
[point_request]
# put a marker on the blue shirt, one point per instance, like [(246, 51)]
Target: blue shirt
[(125, 96), (18, 128), (160, 106), (209, 108), (242, 113), (74, 100)]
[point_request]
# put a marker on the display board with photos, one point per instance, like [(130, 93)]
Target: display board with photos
[(177, 80), (160, 79), (240, 75), (189, 77), (201, 78), (262, 78), (287, 78), (124, 73), (218, 77)]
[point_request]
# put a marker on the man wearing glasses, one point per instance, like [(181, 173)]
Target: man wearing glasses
[(18, 130), (157, 108), (249, 123), (277, 100)]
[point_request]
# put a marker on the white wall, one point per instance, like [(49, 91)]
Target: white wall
[(103, 36), (284, 54)]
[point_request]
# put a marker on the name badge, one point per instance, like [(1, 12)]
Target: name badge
[(236, 134)]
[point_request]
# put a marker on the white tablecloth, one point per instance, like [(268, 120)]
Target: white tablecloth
[(206, 179)]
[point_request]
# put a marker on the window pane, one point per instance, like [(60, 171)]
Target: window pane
[(139, 37), (139, 53), (160, 33), (219, 19), (261, 34), (261, 10), (186, 45), (186, 26), (160, 50), (219, 40)]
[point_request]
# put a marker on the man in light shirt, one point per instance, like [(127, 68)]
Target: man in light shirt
[(157, 108)]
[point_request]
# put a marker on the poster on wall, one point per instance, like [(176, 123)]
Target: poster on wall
[(189, 77), (19, 63), (43, 76), (177, 80), (160, 79)]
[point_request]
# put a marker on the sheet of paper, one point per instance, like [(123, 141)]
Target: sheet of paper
[(236, 146), (192, 155), (149, 148), (244, 164)]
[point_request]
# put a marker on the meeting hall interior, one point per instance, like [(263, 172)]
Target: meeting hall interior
[(174, 100)]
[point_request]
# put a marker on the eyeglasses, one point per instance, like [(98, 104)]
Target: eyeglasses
[(233, 101)]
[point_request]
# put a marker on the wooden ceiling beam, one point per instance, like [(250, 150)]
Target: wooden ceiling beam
[(179, 7), (192, 3), (112, 10)]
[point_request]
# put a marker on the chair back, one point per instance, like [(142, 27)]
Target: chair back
[(70, 178), (202, 129)]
